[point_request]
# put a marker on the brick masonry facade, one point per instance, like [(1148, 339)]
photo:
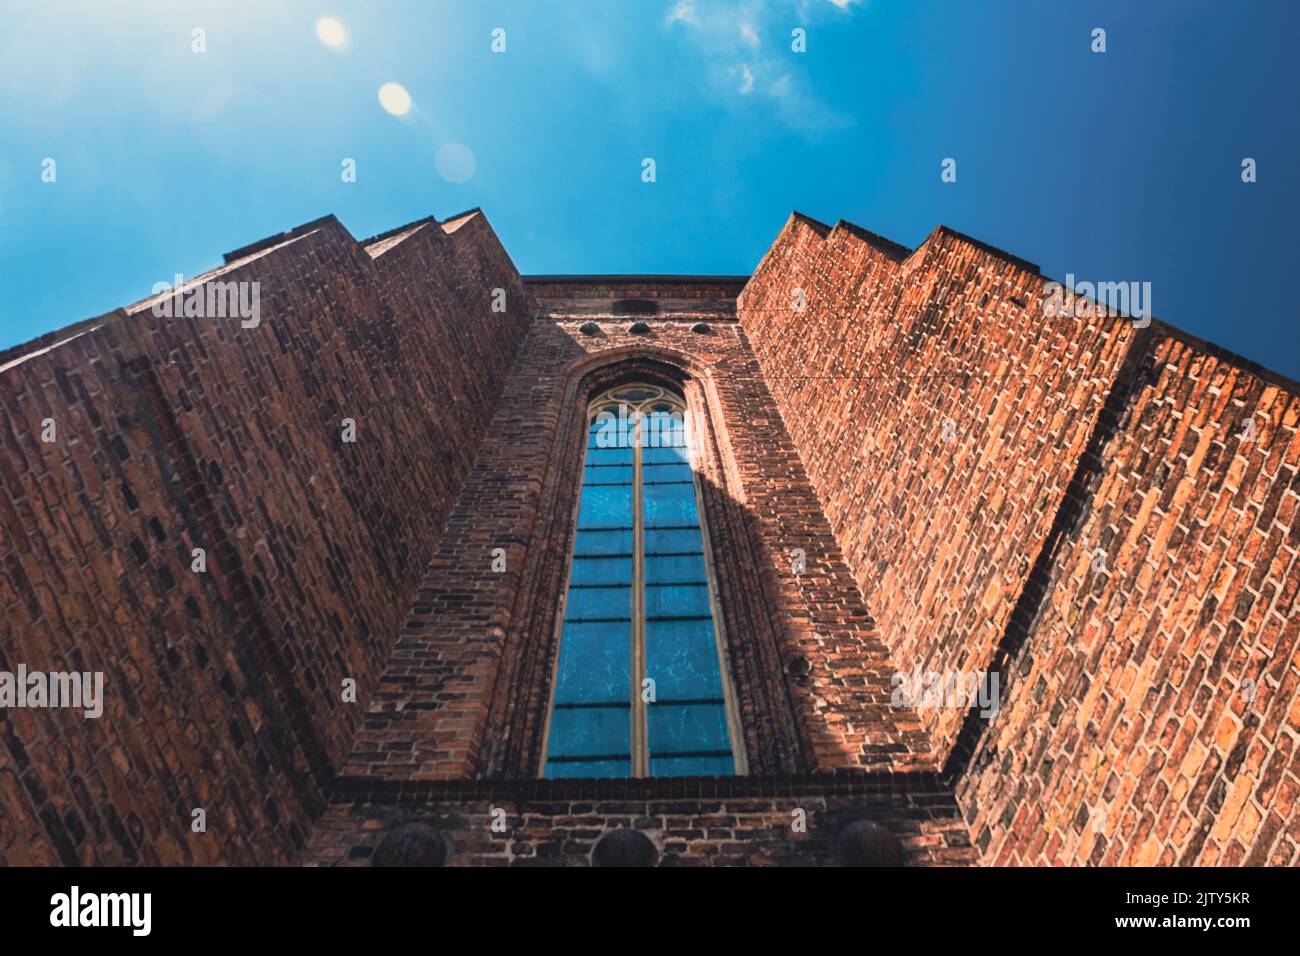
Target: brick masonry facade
[(1089, 523), (903, 464), (223, 688), (713, 823)]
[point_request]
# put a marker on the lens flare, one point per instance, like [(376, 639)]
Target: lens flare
[(330, 32), (455, 162), (394, 98)]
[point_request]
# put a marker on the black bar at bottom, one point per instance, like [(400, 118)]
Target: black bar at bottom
[(303, 905)]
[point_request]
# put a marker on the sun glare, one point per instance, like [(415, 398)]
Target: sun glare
[(394, 98), (330, 32)]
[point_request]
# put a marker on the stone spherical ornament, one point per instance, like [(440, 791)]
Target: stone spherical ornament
[(702, 328), (589, 328), (624, 847), (867, 843), (639, 328), (412, 844)]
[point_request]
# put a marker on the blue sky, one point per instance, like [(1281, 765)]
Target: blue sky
[(1119, 166)]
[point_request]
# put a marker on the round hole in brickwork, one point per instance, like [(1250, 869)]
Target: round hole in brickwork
[(411, 844), (867, 843), (639, 328), (589, 328), (624, 847), (798, 667), (702, 328)]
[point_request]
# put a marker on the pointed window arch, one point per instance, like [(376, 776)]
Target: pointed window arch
[(640, 687)]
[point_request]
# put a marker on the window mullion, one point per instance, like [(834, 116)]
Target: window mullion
[(640, 757)]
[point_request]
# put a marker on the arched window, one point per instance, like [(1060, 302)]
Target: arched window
[(640, 686)]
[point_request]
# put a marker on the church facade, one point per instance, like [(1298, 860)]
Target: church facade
[(866, 558)]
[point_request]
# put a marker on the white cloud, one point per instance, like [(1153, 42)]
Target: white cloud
[(683, 12), (746, 80), (727, 36)]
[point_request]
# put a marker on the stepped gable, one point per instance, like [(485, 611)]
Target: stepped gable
[(223, 687), (1071, 504)]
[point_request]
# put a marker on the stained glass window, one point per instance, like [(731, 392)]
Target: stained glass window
[(640, 689)]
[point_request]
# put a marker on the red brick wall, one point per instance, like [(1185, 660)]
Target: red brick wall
[(1125, 734), (223, 690), (460, 707), (594, 295), (1068, 502), (713, 823), (941, 535), (466, 690), (1153, 714)]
